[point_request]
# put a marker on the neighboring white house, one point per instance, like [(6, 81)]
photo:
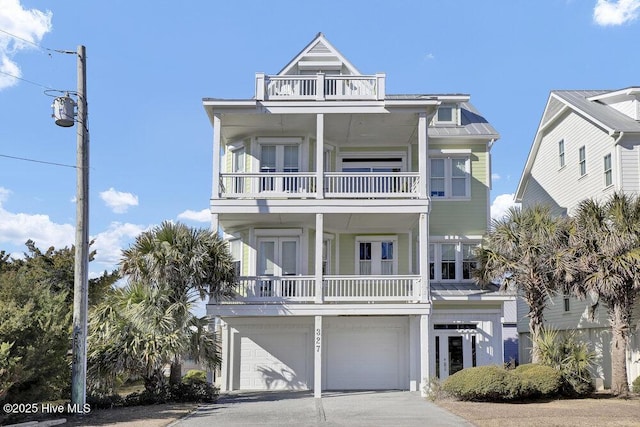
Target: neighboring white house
[(352, 215), (587, 145)]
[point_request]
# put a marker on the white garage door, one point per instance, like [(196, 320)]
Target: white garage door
[(370, 358), (274, 361)]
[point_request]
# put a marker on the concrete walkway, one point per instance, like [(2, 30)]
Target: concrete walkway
[(359, 408)]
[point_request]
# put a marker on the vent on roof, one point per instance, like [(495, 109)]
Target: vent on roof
[(319, 48)]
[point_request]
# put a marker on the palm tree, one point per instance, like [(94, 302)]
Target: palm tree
[(606, 244), (139, 329), (184, 260), (525, 250)]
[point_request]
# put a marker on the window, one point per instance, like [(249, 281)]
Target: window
[(448, 264), (326, 257), (561, 152), (279, 158), (432, 266), (450, 177), (235, 247), (446, 115), (583, 160), (608, 174), (468, 260), (567, 304)]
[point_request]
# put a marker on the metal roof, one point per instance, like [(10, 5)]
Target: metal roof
[(471, 124), (611, 118), (466, 291)]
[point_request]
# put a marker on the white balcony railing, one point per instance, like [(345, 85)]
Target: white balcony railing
[(336, 185), (319, 87), (334, 289), (263, 185)]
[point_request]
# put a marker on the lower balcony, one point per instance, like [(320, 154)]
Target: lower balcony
[(335, 289)]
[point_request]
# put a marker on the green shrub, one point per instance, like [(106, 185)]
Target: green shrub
[(194, 376), (635, 385), (569, 355), (105, 401), (200, 392), (538, 380), (483, 383)]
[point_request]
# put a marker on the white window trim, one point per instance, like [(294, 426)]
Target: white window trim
[(580, 161), (257, 233), (262, 140), (448, 177), (562, 155), (604, 173), (455, 115), (372, 239), (437, 259)]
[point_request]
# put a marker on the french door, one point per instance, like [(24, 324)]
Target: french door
[(278, 257), (377, 257), (454, 351)]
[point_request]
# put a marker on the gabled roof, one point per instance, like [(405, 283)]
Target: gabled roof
[(319, 53), (587, 104)]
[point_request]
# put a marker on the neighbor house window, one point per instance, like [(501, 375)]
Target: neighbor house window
[(561, 152), (608, 174), (567, 303), (432, 258), (450, 177), (582, 153)]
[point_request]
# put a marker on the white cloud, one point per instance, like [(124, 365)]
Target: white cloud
[(118, 201), (501, 205), (199, 216), (429, 56), (615, 12), (17, 228), (28, 24), (109, 243), (495, 177)]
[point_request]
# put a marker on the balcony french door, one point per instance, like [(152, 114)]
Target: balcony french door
[(377, 258), (279, 158), (277, 257)]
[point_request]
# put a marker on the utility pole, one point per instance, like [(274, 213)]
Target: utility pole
[(81, 273)]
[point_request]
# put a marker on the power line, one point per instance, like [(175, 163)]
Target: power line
[(35, 44), (28, 81), (38, 161)]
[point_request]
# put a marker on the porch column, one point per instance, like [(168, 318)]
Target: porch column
[(224, 367), (423, 152), (320, 156), (423, 243), (217, 135), (215, 223), (414, 353), (425, 373), (317, 359), (318, 258)]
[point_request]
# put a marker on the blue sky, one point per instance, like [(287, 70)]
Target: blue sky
[(151, 63)]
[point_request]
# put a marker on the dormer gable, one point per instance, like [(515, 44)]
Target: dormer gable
[(319, 56), (626, 101)]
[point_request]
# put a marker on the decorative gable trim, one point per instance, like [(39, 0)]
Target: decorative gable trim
[(319, 47)]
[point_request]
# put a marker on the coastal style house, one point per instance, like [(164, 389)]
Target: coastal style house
[(587, 145), (352, 216)]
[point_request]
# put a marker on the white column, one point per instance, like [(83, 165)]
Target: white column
[(217, 135), (317, 359), (320, 156), (423, 244), (425, 373), (423, 152), (318, 257), (215, 223), (224, 367), (414, 353)]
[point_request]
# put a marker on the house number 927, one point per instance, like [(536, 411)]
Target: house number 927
[(318, 339)]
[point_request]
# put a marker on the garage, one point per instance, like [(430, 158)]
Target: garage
[(366, 353), (274, 360)]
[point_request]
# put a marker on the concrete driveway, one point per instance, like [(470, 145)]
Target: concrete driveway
[(359, 408)]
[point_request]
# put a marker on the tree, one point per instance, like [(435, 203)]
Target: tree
[(36, 297), (171, 264), (526, 250), (139, 329), (606, 250)]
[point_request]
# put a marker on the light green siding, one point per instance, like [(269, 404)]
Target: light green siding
[(464, 217)]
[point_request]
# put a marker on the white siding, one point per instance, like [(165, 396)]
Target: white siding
[(630, 167), (564, 186)]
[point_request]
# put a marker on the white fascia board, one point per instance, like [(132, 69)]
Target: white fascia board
[(622, 92), (258, 206), (268, 310)]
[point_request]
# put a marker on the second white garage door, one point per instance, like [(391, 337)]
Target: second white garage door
[(366, 354)]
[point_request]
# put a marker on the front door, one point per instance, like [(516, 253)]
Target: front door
[(277, 257), (454, 352)]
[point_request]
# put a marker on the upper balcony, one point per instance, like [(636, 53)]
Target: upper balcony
[(319, 87)]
